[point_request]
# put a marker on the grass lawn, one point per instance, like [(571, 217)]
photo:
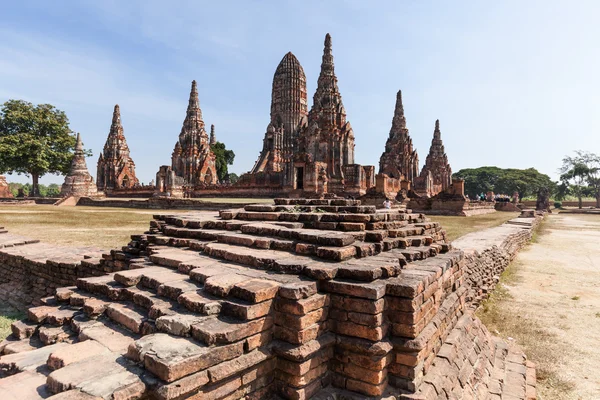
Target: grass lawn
[(102, 227), (459, 226), (7, 316)]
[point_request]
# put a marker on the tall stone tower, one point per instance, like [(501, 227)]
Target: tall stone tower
[(436, 162), (116, 169), (288, 108), (213, 136), (327, 137), (399, 160), (79, 182), (192, 158)]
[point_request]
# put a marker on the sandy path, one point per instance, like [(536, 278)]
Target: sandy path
[(558, 288)]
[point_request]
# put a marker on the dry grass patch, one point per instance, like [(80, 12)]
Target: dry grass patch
[(509, 320), (7, 316), (105, 228), (459, 226)]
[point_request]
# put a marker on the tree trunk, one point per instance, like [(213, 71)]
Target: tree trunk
[(580, 202), (598, 199), (35, 189)]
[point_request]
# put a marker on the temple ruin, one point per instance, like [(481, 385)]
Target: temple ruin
[(436, 175), (192, 158), (300, 299), (116, 169), (304, 153), (79, 182), (399, 160), (288, 109), (308, 153), (4, 188)]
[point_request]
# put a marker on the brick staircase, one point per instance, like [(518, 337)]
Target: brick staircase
[(270, 300)]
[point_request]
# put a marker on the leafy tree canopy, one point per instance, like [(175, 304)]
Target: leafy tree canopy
[(224, 158), (51, 190), (504, 180), (233, 177), (34, 140), (580, 176)]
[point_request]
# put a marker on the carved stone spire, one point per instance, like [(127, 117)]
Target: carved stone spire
[(213, 138), (194, 102), (327, 101), (192, 158), (288, 109), (79, 182), (399, 121), (116, 169), (327, 137), (116, 121), (399, 160), (437, 162)]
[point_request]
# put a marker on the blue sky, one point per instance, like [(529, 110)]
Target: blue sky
[(514, 84)]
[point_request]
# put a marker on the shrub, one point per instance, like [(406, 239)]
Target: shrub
[(557, 204)]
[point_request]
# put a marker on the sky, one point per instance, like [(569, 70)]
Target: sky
[(514, 84)]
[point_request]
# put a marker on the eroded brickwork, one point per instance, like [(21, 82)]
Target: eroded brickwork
[(399, 160), (288, 109), (192, 158), (436, 168), (4, 188), (116, 169), (79, 182), (300, 299)]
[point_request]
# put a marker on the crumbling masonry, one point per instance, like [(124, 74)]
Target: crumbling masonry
[(116, 169), (300, 299)]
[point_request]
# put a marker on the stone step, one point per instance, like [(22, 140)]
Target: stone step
[(171, 358), (169, 257), (224, 330), (73, 353), (28, 385), (332, 202), (12, 345), (109, 334), (27, 360), (154, 304), (104, 375), (127, 315), (200, 302), (311, 208)]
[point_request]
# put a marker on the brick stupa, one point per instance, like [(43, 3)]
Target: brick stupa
[(436, 162), (116, 169), (399, 160), (192, 157), (79, 182), (328, 137), (4, 189)]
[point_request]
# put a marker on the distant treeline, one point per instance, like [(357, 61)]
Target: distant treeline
[(504, 181), (51, 190)]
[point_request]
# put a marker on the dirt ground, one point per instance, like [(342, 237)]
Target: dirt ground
[(551, 306)]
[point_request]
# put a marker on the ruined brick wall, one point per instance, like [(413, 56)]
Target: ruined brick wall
[(489, 253), (30, 271), (158, 204), (318, 328)]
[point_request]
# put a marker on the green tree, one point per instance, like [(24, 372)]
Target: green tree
[(34, 140), (507, 181), (581, 173), (233, 177), (224, 158)]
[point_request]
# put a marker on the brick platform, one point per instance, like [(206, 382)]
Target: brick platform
[(300, 299)]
